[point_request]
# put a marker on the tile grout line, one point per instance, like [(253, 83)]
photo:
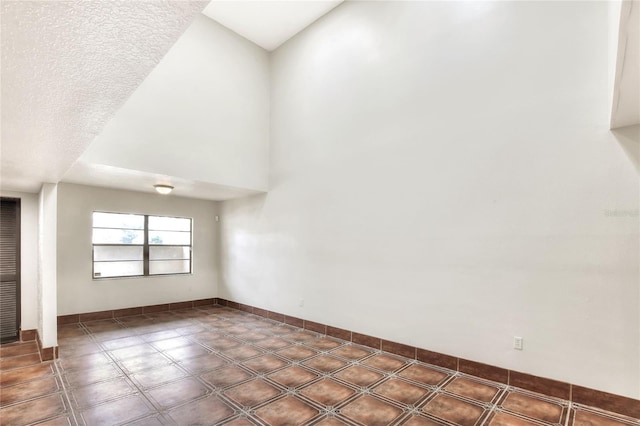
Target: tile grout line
[(119, 368), (491, 408), (504, 388), (439, 389), (160, 411), (248, 309), (458, 361), (66, 392)]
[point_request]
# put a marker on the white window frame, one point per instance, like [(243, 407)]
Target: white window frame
[(146, 245)]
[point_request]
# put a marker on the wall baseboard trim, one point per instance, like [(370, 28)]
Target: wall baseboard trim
[(128, 312), (28, 335), (46, 354), (554, 388), (550, 387)]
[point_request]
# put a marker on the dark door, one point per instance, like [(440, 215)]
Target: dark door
[(9, 269)]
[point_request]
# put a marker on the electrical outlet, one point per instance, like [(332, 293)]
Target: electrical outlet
[(517, 343), (301, 303)]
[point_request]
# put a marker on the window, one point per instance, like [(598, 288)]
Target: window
[(132, 245)]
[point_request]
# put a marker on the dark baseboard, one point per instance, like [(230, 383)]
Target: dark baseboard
[(554, 388), (127, 312), (550, 387), (28, 335), (46, 354)]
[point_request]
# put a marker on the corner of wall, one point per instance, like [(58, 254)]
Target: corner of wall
[(47, 265), (218, 247)]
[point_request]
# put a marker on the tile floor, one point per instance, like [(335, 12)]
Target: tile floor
[(218, 366)]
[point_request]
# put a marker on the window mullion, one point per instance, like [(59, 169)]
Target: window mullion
[(146, 246), (119, 244)]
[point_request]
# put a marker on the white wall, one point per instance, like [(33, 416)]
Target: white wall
[(47, 265), (209, 96), (442, 175), (79, 293), (28, 258)]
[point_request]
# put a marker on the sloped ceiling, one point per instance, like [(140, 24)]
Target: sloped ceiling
[(67, 66), (70, 67), (198, 122)]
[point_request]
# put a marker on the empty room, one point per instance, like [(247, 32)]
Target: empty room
[(288, 212)]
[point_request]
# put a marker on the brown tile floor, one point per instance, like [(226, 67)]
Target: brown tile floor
[(219, 366)]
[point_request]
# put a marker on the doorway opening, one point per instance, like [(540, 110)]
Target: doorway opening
[(9, 269)]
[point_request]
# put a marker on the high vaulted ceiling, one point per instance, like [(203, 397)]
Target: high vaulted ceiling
[(67, 67)]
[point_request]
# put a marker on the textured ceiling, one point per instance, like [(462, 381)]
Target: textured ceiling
[(66, 68)]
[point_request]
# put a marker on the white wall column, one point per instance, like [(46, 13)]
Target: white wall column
[(47, 276)]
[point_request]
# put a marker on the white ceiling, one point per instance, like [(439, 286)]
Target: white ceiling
[(67, 66), (268, 23), (199, 121)]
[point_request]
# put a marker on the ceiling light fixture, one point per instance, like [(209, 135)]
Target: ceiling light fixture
[(163, 189)]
